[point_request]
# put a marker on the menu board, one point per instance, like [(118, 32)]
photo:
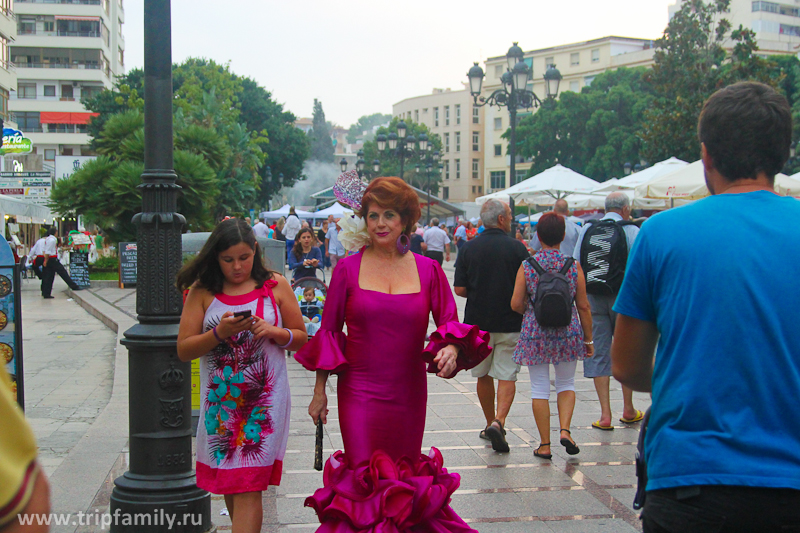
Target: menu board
[(79, 268), (127, 264), (11, 321)]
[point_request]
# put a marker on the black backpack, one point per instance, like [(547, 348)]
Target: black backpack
[(604, 256), (552, 306)]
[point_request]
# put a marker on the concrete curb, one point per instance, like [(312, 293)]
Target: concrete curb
[(76, 482)]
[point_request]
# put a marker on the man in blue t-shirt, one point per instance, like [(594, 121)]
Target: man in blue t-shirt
[(714, 284)]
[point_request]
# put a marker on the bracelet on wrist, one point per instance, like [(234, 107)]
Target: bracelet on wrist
[(291, 338), (216, 336), (588, 343)]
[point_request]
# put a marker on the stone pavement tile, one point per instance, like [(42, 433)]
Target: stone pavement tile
[(610, 475), (456, 458), (562, 503), (612, 525), (292, 511), (441, 439), (305, 483), (511, 527), (488, 506), (625, 496), (540, 476)]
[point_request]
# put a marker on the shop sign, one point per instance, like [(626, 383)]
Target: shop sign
[(15, 143)]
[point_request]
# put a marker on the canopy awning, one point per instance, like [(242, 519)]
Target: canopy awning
[(556, 182), (76, 17), (284, 212), (39, 214), (337, 210), (57, 117)]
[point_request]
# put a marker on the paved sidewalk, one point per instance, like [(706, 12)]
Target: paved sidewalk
[(514, 492)]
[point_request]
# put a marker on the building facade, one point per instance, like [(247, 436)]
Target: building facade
[(8, 76), (452, 116), (64, 52), (578, 63)]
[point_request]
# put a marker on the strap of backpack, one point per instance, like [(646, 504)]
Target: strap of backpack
[(567, 265), (535, 265)]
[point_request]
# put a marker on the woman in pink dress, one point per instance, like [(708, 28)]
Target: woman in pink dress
[(381, 482), (238, 319)]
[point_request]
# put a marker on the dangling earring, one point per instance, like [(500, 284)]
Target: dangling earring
[(403, 244)]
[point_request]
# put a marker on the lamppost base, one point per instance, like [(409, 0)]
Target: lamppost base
[(154, 504)]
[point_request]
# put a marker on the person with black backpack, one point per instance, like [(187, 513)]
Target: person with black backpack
[(550, 293), (602, 251)]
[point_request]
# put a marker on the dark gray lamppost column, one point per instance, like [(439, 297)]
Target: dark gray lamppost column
[(160, 481)]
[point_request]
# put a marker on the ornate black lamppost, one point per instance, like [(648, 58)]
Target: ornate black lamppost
[(514, 95), (431, 159), (160, 482), (361, 165), (403, 145)]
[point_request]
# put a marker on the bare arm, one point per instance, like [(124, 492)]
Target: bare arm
[(518, 302), (632, 352), (192, 342), (582, 303), (460, 291)]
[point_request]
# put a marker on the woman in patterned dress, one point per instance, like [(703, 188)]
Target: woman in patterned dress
[(538, 347), (244, 387)]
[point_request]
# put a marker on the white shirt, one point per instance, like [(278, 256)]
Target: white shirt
[(435, 238), (50, 246), (334, 246), (261, 230), (38, 249), (292, 226)]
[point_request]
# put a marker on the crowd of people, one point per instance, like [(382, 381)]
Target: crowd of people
[(678, 308)]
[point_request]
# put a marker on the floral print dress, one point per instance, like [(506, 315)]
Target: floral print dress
[(538, 345), (245, 402)]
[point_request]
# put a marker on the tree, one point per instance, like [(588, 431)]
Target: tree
[(690, 64), (320, 136), (365, 124), (594, 132), (390, 161)]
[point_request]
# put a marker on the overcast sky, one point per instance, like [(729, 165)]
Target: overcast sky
[(360, 56)]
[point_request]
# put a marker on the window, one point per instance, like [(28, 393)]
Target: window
[(49, 25), (4, 103), (66, 92), (436, 117), (49, 90), (498, 179), (458, 114), (498, 71), (549, 61), (596, 55), (445, 193), (26, 25), (447, 170), (447, 115), (575, 86), (446, 143), (476, 115), (476, 142), (498, 123), (27, 120), (424, 110), (476, 167), (474, 188), (26, 90), (575, 59), (121, 56), (480, 189), (66, 151), (498, 151), (458, 141), (458, 169), (588, 80), (521, 174), (416, 115), (90, 91), (50, 155)]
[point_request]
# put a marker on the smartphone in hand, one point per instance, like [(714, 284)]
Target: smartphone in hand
[(242, 314)]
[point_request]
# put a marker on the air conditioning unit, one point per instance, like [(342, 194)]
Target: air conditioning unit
[(74, 83)]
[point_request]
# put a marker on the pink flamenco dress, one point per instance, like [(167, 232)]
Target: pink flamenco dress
[(382, 483)]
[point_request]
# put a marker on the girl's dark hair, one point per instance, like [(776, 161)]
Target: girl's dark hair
[(204, 269), (297, 249)]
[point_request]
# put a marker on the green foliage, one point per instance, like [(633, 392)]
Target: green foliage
[(128, 93), (365, 124), (106, 262), (593, 132), (320, 136), (390, 161)]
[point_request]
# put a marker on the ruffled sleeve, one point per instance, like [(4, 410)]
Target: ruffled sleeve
[(325, 350), (473, 343)]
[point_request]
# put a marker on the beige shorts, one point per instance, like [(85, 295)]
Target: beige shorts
[(499, 364)]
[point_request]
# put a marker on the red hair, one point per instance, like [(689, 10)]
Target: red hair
[(396, 194), (551, 228)]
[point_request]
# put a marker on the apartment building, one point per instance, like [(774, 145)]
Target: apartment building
[(578, 63), (452, 116), (8, 77), (65, 50), (777, 24)]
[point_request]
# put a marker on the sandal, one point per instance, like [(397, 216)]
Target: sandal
[(571, 447), (497, 436), (542, 455), (484, 436)]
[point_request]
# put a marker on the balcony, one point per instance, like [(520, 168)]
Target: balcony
[(21, 32), (81, 2), (80, 66)]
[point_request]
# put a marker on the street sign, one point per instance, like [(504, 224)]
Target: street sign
[(79, 268)]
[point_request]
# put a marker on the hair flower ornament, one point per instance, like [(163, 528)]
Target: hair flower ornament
[(354, 234)]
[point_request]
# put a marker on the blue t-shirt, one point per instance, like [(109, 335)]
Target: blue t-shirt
[(720, 280)]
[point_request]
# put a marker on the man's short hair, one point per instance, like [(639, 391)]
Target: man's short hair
[(434, 222), (746, 129), (51, 231), (561, 207), (491, 211), (617, 200)]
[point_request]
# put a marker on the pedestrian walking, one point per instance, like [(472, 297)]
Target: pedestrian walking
[(547, 284), (321, 233), (333, 248), (293, 225), (279, 225), (602, 250), (722, 437), (438, 242), (486, 269), (52, 266), (304, 257), (261, 229), (36, 257), (571, 231), (417, 243), (460, 235), (238, 319)]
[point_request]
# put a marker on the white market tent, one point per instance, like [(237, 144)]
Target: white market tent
[(555, 182), (284, 212), (788, 185), (643, 176), (337, 210), (535, 218)]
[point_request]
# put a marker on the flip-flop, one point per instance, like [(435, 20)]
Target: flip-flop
[(597, 425), (484, 436), (571, 447), (639, 416), (496, 435)]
